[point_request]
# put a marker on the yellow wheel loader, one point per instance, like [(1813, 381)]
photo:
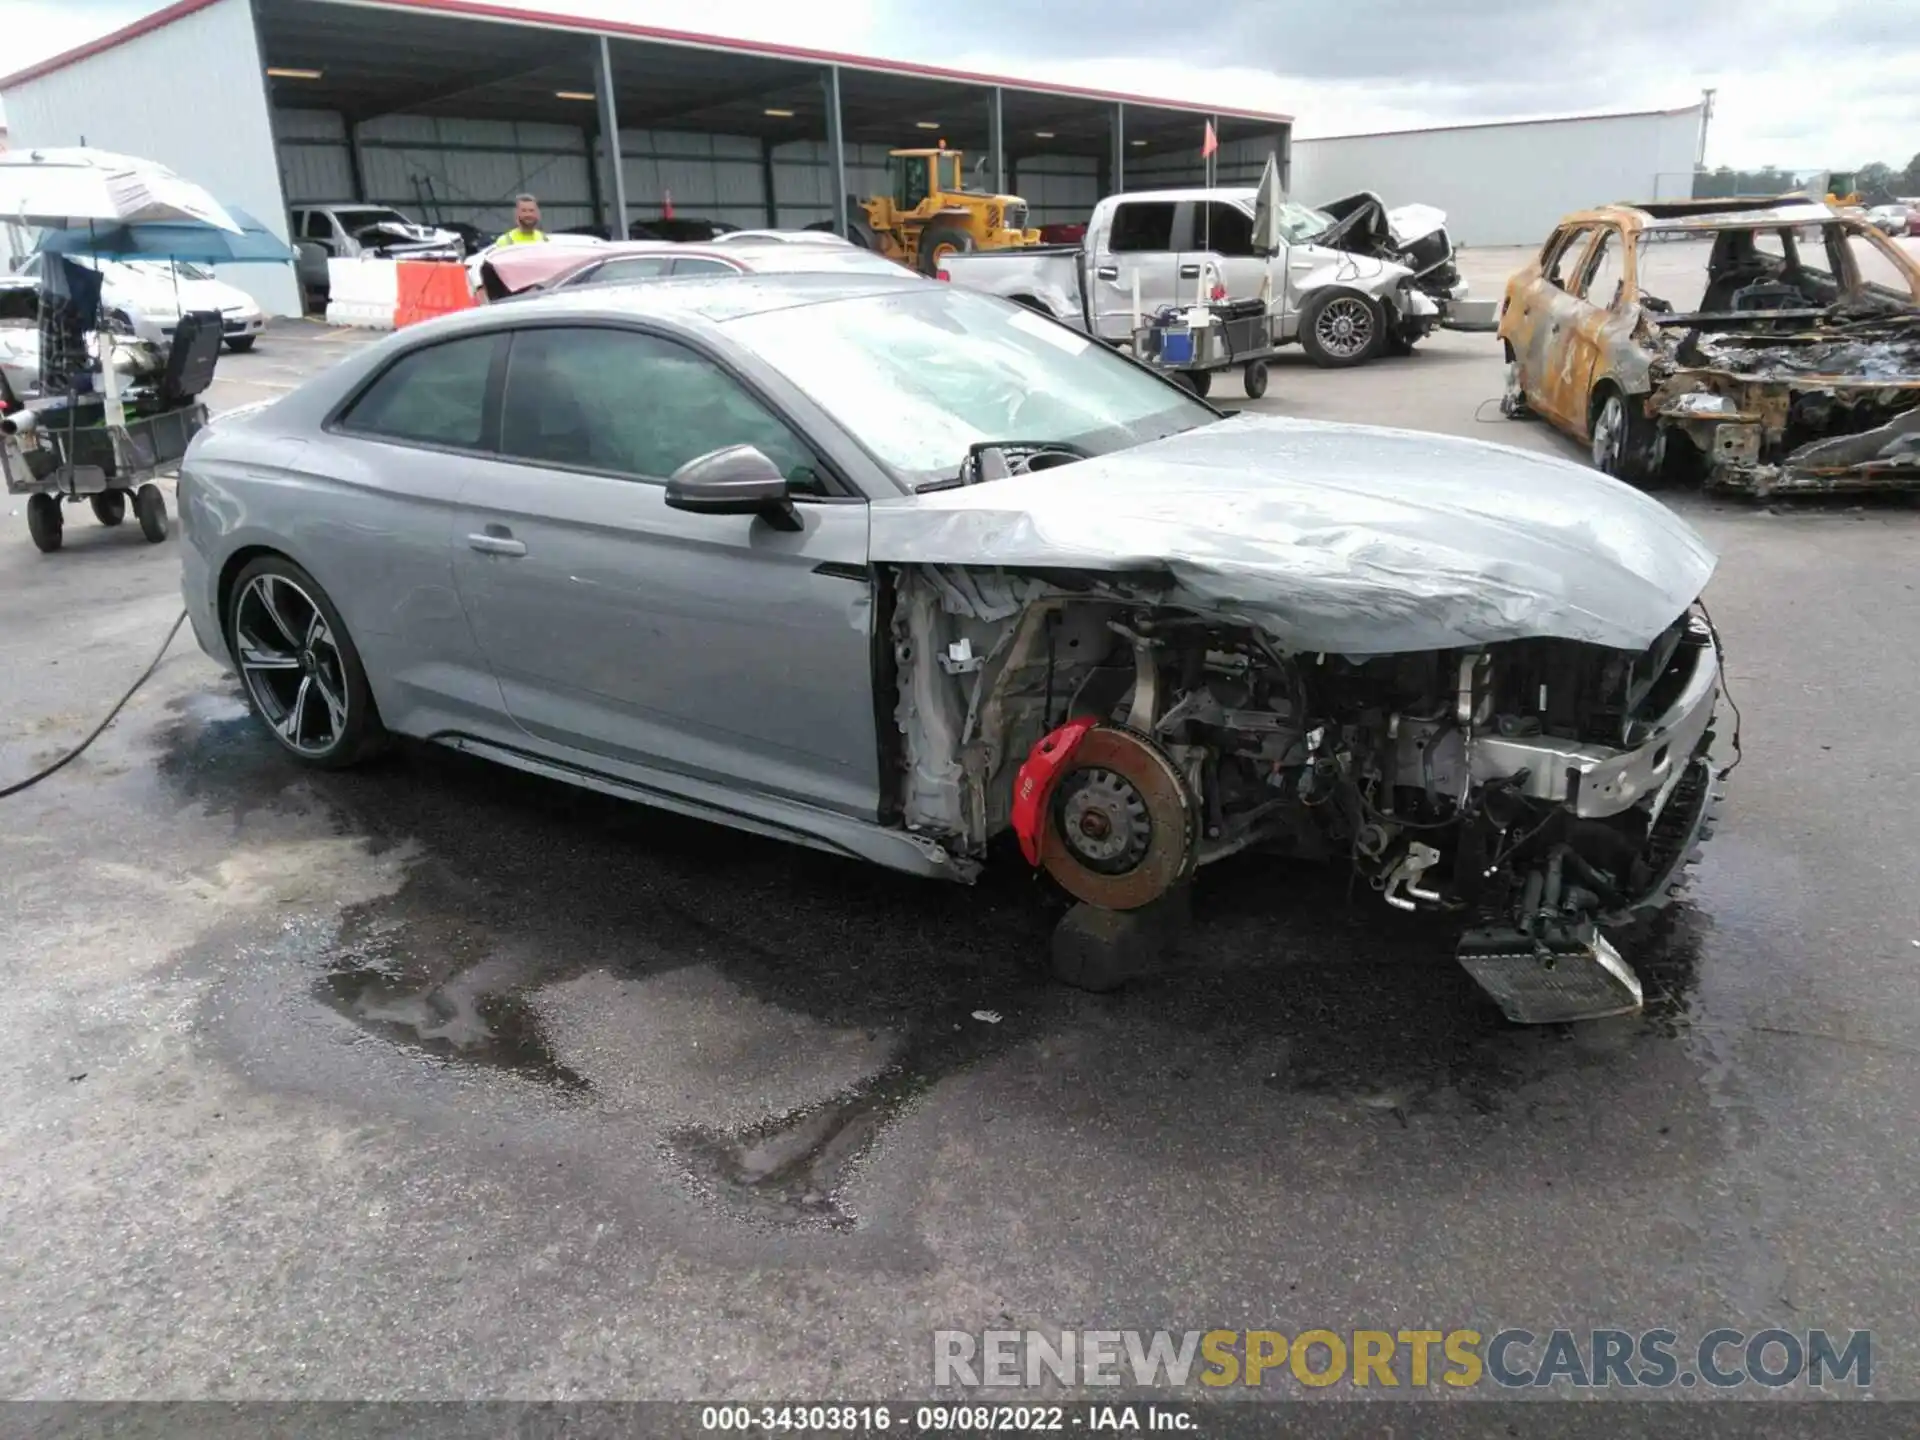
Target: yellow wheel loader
[(932, 214)]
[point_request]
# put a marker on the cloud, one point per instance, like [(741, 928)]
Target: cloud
[(1802, 83)]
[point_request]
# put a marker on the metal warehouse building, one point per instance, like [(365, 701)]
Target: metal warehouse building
[(447, 108), (1509, 182)]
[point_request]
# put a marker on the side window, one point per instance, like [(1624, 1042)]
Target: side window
[(318, 225), (436, 395), (702, 265), (615, 272), (1224, 230), (1141, 225), (631, 404), (1560, 271), (1605, 272)]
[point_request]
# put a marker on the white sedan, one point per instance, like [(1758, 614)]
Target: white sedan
[(148, 297)]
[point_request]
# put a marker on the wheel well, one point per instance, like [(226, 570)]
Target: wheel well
[(230, 572)]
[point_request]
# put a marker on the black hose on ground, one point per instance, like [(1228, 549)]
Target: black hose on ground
[(81, 749)]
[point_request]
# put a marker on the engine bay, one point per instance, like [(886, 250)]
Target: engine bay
[(1536, 788)]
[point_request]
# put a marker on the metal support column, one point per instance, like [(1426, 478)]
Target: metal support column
[(766, 185), (1283, 148), (836, 149), (596, 192), (997, 141), (610, 139), (356, 177), (1118, 178)]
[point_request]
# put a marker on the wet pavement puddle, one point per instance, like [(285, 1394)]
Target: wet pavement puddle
[(523, 884)]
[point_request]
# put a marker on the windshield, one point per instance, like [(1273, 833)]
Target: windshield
[(1300, 223), (919, 375)]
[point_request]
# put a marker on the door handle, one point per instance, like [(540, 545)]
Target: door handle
[(1189, 272), (1108, 272), (496, 540)]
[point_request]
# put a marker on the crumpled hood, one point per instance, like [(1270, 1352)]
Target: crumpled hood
[(1342, 538)]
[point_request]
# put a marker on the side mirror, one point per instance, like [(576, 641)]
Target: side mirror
[(739, 480)]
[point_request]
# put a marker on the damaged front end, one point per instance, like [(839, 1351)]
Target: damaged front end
[(1773, 407), (1539, 789), (1415, 237)]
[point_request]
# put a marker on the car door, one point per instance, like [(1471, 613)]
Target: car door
[(1601, 296), (1137, 243), (1543, 333), (715, 646), (1221, 236)]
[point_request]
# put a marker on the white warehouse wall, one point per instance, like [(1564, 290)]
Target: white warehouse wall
[(1509, 184), (189, 95)]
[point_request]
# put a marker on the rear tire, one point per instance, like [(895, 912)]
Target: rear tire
[(109, 506), (150, 508), (1198, 381), (299, 668), (1342, 328), (44, 522)]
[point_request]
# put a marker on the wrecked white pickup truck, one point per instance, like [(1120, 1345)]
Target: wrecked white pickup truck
[(1350, 281)]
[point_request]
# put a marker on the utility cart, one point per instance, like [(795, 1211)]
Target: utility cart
[(1193, 342), (109, 450)]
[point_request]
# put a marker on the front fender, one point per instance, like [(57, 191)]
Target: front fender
[(1376, 279)]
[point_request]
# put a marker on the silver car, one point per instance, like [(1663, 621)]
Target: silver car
[(892, 569)]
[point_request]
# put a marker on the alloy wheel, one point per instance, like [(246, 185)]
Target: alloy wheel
[(1344, 327), (1608, 427), (291, 664)]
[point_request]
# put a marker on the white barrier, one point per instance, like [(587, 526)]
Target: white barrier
[(363, 292)]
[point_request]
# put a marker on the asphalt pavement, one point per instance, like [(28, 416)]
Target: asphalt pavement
[(435, 1081)]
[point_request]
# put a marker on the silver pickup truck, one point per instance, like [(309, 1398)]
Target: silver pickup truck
[(1349, 282)]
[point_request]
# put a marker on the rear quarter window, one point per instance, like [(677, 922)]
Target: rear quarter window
[(1142, 225), (436, 395)]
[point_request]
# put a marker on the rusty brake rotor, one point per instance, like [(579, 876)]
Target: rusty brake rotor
[(1122, 827)]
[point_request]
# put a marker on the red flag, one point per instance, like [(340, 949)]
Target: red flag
[(666, 205), (1211, 143)]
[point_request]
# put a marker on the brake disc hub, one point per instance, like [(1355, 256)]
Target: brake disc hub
[(1121, 829)]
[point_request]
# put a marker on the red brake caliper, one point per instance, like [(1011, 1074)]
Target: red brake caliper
[(1033, 786)]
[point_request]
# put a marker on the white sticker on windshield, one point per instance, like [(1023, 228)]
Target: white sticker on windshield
[(1041, 328)]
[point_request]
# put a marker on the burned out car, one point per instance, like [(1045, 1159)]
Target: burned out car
[(1763, 347), (900, 571)]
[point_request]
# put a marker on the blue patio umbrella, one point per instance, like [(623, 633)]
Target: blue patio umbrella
[(254, 245)]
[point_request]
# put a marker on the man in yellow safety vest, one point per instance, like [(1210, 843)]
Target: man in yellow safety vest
[(526, 223)]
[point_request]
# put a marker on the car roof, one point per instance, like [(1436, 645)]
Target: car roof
[(1692, 215), (1247, 193), (709, 299)]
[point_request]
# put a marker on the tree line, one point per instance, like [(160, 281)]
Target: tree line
[(1873, 181)]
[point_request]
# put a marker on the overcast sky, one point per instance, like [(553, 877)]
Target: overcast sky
[(1803, 84)]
